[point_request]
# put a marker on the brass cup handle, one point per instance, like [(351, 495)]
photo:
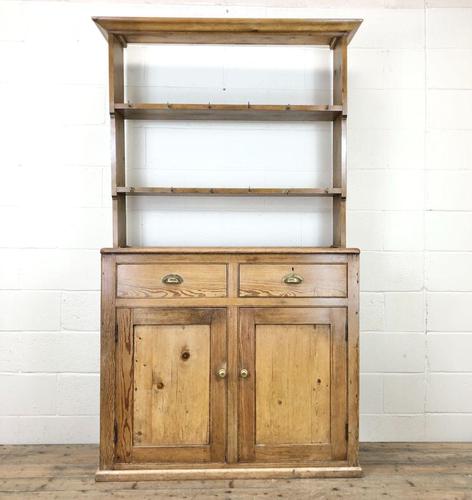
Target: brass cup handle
[(244, 373), (172, 279), (221, 373), (292, 279)]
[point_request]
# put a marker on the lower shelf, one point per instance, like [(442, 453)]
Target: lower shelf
[(228, 473), (206, 191)]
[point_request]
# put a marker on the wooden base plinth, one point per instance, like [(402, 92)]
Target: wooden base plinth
[(228, 473)]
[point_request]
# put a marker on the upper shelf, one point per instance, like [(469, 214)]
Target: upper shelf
[(246, 112), (228, 31)]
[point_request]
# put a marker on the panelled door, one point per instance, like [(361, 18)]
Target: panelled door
[(292, 384), (170, 385)]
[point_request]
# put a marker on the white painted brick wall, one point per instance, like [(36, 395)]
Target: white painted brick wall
[(403, 393), (449, 352), (409, 207), (404, 312), (28, 394)]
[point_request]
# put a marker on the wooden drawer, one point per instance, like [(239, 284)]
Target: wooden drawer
[(304, 280), (171, 280)]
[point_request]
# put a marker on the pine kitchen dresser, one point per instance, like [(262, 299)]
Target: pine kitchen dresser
[(227, 362)]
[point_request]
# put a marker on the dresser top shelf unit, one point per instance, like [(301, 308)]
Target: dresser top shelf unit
[(333, 33)]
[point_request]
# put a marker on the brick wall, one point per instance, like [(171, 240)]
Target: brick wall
[(410, 211)]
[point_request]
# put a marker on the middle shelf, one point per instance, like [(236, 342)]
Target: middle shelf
[(245, 112), (206, 191)]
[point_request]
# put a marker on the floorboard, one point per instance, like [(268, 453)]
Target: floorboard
[(432, 471)]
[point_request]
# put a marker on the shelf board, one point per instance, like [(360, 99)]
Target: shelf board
[(231, 250), (205, 191), (246, 112), (227, 30)]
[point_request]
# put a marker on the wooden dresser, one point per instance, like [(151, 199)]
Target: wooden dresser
[(227, 362)]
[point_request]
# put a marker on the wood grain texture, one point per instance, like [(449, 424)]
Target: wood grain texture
[(216, 191), (232, 345), (340, 74), (117, 139), (145, 281), (233, 302), (339, 405), (116, 87), (319, 280), (246, 427), (410, 471), (107, 362), (227, 473), (277, 384), (340, 154), (184, 256), (293, 384), (118, 178), (353, 361), (219, 387), (339, 222), (233, 112), (227, 30), (176, 410), (172, 366), (340, 181), (172, 316), (339, 141), (232, 38), (211, 251), (246, 389), (124, 386), (165, 456), (117, 134)]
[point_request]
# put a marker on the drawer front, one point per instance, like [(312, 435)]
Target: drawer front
[(171, 280), (304, 280)]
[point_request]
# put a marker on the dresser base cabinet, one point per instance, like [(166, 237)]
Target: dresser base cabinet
[(229, 363)]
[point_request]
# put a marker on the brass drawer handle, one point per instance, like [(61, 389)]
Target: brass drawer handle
[(172, 279), (221, 373), (292, 279), (244, 373)]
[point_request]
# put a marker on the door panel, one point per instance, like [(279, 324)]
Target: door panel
[(293, 384), (171, 406), (172, 365), (292, 406)]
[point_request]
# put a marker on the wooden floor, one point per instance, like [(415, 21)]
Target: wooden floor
[(392, 470)]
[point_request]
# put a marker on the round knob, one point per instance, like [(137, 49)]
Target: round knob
[(221, 373), (244, 373)]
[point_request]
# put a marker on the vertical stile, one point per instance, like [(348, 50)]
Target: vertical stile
[(107, 363), (339, 141), (116, 94)]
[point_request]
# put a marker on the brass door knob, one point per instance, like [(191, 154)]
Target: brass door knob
[(244, 373), (221, 373)]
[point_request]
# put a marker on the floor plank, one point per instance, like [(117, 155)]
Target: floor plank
[(433, 471)]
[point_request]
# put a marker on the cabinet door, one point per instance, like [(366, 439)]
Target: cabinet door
[(171, 400), (292, 401)]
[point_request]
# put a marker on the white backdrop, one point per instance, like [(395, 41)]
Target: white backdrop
[(410, 209)]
